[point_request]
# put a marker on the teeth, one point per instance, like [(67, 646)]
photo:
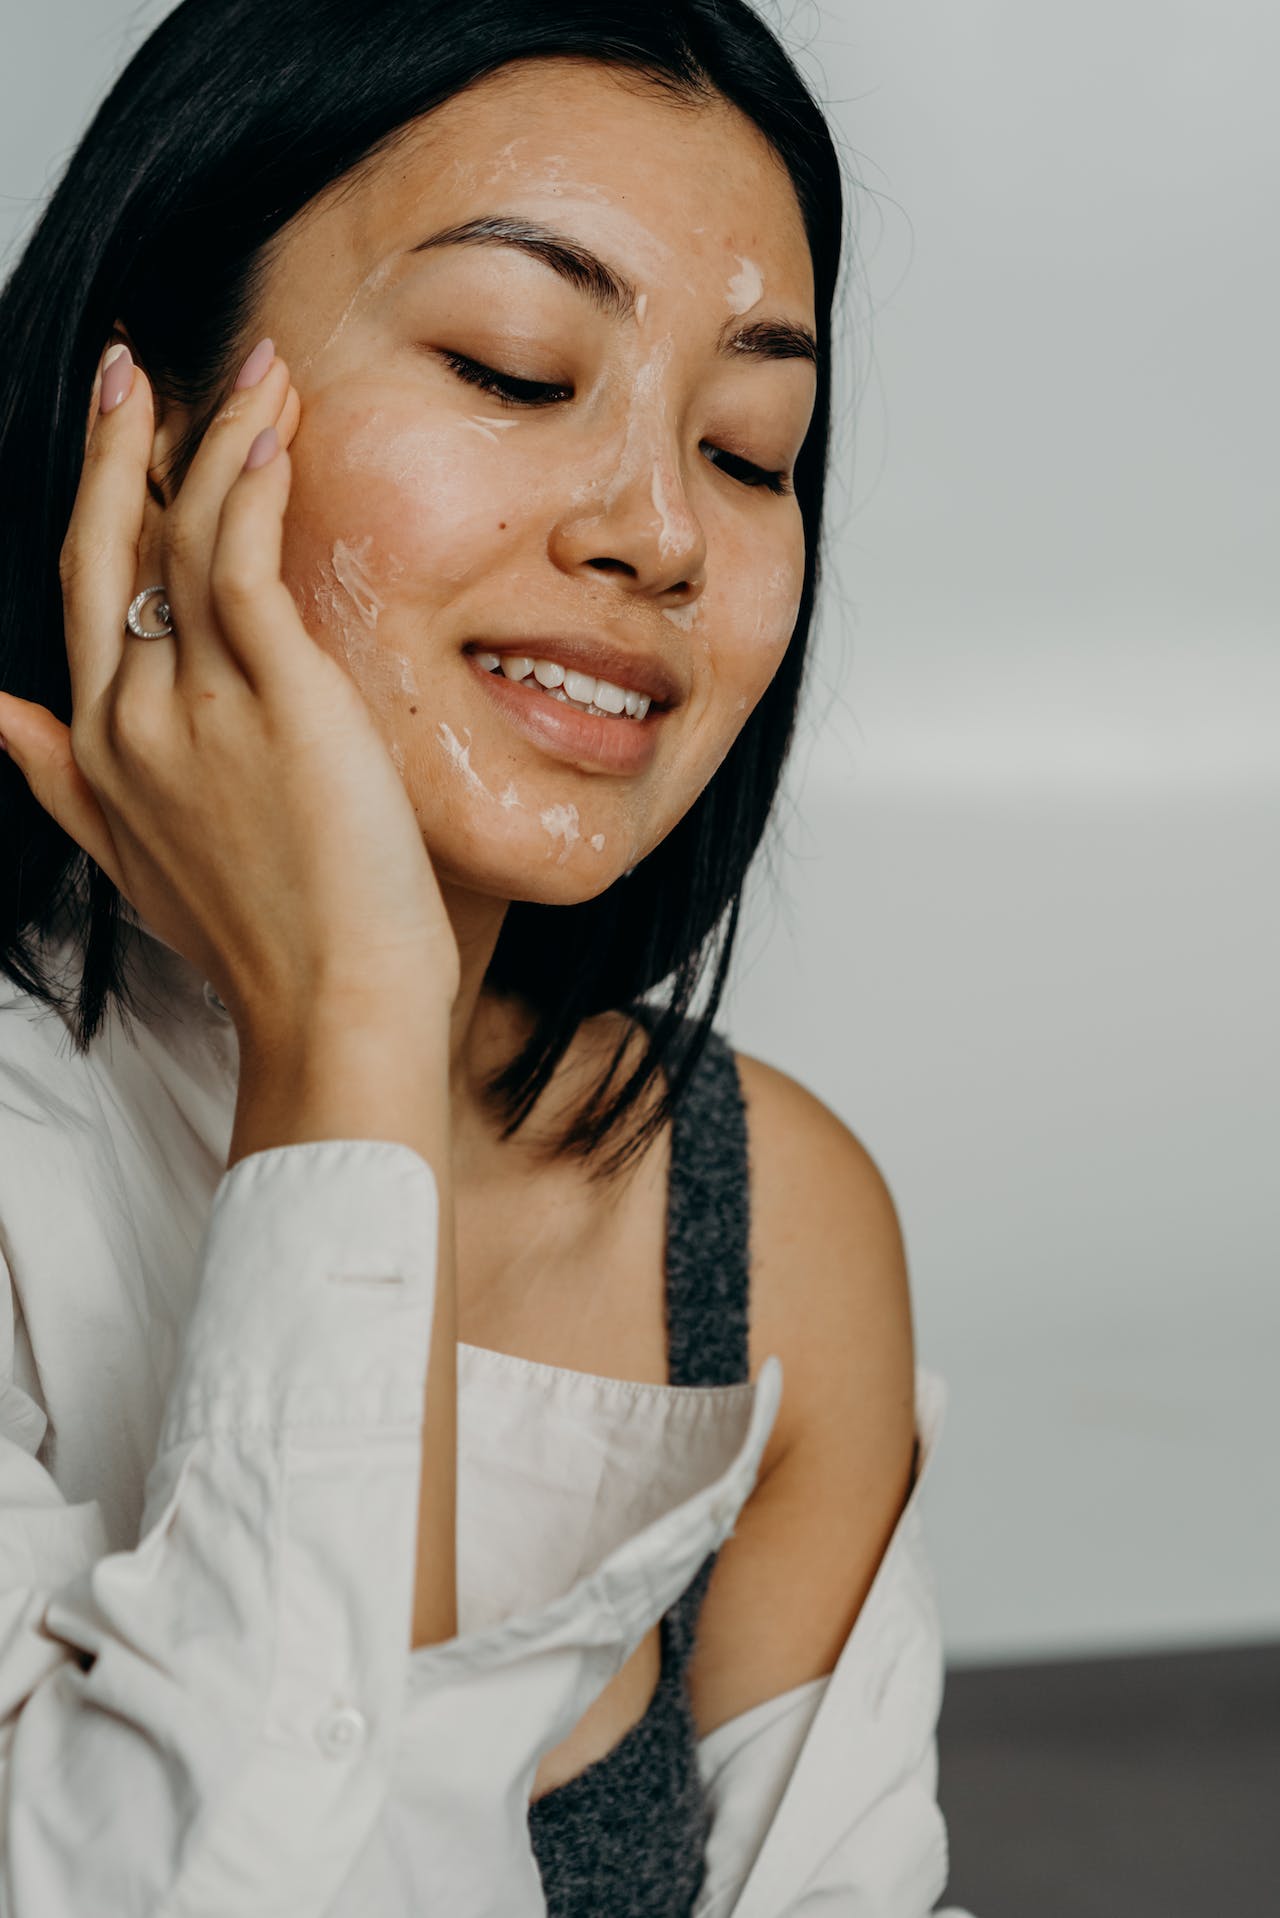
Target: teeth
[(572, 688), (580, 686)]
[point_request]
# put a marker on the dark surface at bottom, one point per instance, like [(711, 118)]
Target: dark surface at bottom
[(1127, 1787)]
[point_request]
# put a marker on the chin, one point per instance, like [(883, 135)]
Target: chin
[(558, 870)]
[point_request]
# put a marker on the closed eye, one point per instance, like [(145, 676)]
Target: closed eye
[(509, 391), (750, 475)]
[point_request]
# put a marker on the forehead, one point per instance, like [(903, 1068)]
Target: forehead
[(662, 185)]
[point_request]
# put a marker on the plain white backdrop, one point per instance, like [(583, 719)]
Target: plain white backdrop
[(1019, 922)]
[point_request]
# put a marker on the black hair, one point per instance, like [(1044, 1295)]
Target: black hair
[(228, 120)]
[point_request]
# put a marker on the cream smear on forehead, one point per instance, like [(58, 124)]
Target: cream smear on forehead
[(746, 287), (602, 222)]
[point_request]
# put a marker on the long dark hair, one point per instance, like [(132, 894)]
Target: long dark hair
[(228, 120)]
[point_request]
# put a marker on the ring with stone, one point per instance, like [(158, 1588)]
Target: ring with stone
[(132, 622)]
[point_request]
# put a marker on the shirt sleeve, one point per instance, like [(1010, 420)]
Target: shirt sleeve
[(824, 1799), (205, 1723)]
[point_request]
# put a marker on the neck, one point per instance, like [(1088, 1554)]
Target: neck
[(485, 1030)]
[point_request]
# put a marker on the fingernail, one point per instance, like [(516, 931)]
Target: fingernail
[(255, 367), (117, 377), (264, 448)]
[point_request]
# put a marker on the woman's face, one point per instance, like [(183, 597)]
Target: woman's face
[(431, 523)]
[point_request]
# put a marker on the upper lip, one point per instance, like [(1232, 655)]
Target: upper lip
[(586, 653)]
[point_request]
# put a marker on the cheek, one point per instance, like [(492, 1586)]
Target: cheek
[(739, 629), (413, 494), (737, 634)]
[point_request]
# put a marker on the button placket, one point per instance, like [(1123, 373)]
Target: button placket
[(341, 1732)]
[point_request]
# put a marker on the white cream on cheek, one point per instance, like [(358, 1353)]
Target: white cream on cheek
[(348, 604), (488, 429), (460, 756), (685, 617)]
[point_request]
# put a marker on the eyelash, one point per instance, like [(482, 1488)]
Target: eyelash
[(509, 391)]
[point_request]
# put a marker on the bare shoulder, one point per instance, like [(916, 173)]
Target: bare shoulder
[(830, 1288), (830, 1296)]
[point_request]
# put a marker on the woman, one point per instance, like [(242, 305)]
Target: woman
[(458, 455)]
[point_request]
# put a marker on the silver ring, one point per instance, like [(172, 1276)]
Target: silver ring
[(162, 613)]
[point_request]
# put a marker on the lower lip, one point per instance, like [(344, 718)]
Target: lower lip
[(614, 745)]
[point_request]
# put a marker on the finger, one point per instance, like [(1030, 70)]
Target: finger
[(252, 603), (99, 558), (191, 520), (290, 419), (40, 746)]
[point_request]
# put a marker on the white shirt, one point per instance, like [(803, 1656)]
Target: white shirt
[(211, 1389)]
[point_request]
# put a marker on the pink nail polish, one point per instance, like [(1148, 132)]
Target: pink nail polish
[(117, 380), (255, 367), (264, 448)]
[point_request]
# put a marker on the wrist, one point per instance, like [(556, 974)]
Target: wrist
[(346, 1071)]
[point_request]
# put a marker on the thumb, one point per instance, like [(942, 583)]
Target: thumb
[(40, 746)]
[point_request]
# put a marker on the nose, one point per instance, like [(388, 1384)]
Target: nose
[(635, 519)]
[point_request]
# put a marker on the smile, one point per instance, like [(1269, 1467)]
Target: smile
[(599, 697), (582, 733)]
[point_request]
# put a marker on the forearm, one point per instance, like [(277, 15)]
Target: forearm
[(340, 1074)]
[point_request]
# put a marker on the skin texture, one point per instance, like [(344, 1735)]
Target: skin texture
[(424, 513)]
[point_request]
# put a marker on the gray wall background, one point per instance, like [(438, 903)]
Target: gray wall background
[(1019, 927)]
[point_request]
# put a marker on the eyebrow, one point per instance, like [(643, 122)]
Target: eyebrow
[(610, 290)]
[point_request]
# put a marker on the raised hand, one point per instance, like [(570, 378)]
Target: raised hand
[(230, 779)]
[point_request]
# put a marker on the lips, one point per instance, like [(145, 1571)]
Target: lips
[(641, 672), (607, 744)]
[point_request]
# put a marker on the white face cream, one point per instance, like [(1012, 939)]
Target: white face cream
[(746, 288), (562, 823), (461, 756), (351, 570)]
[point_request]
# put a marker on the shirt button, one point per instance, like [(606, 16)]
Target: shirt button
[(211, 999), (340, 1733)]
